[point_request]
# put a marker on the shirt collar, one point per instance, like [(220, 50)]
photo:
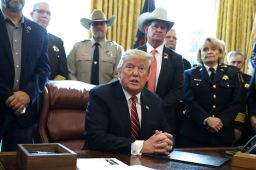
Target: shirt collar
[(101, 42), (7, 19), (207, 67), (159, 49), (128, 95)]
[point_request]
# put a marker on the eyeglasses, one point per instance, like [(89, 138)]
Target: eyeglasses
[(171, 37), (41, 11), (98, 23)]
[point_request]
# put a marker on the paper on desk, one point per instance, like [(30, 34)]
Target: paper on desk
[(99, 163), (106, 163)]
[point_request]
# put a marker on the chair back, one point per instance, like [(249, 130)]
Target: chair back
[(62, 118)]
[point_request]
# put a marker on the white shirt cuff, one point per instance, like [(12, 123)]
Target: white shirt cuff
[(136, 147)]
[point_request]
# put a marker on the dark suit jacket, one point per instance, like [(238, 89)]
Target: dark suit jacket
[(57, 57), (170, 83), (34, 67), (204, 98), (107, 126), (252, 96)]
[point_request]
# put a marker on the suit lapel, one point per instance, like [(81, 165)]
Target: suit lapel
[(121, 101), (218, 76), (145, 109), (164, 68), (204, 74)]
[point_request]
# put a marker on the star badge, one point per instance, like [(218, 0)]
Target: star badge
[(225, 77)]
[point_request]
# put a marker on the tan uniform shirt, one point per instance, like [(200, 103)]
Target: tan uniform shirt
[(80, 60)]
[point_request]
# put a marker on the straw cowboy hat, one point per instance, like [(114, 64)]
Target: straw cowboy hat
[(97, 16), (158, 14)]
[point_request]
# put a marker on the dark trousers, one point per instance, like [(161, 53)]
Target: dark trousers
[(11, 133)]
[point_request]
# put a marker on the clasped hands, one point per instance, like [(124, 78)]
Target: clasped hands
[(160, 143), (18, 102), (214, 124)]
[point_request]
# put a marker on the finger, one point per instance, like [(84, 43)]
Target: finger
[(9, 100)]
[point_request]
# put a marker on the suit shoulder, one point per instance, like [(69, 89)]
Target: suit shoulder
[(105, 89), (54, 37)]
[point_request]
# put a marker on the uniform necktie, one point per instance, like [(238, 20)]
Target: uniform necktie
[(95, 65), (212, 70), (152, 73), (135, 125)]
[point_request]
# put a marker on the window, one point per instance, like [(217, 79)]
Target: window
[(194, 21)]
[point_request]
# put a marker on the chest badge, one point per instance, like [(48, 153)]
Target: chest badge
[(55, 48), (225, 77)]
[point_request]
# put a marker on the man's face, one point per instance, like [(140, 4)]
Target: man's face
[(99, 29), (210, 54), (171, 39), (41, 14), (133, 75), (237, 61), (156, 31), (13, 5)]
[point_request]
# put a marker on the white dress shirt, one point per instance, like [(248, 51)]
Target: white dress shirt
[(137, 145)]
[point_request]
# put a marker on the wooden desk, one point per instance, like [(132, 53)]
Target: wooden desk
[(8, 159)]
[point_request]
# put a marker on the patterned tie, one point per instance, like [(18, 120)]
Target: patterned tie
[(95, 65), (212, 70), (152, 73), (135, 125)]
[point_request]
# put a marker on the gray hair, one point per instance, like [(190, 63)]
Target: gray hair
[(134, 53), (232, 54)]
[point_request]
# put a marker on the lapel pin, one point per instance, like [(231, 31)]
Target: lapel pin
[(197, 79), (147, 107), (28, 29), (166, 56), (246, 85), (55, 48)]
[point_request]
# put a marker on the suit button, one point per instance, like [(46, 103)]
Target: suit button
[(214, 86), (214, 96), (213, 106)]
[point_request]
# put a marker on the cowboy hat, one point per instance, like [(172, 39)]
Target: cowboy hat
[(97, 16), (158, 14)]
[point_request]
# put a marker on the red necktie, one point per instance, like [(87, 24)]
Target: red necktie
[(152, 73), (135, 125)]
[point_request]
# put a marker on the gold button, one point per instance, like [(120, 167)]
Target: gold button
[(214, 86), (213, 106), (214, 96)]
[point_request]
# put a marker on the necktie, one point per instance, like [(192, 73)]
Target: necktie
[(135, 125), (152, 73), (95, 65), (212, 70)]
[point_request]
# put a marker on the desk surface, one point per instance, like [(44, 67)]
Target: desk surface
[(8, 159)]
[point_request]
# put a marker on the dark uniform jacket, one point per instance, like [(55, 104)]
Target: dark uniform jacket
[(57, 57), (203, 98)]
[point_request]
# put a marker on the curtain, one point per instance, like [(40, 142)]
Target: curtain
[(234, 25), (125, 27)]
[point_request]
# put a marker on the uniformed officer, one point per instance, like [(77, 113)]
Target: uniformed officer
[(41, 14), (94, 61), (243, 130), (212, 97)]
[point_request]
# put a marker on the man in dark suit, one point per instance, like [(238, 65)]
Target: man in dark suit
[(117, 123), (212, 99), (252, 101), (243, 131), (41, 14), (168, 78), (24, 70)]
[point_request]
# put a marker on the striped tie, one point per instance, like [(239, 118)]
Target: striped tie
[(135, 125)]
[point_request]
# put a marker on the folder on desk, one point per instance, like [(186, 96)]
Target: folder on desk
[(198, 158)]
